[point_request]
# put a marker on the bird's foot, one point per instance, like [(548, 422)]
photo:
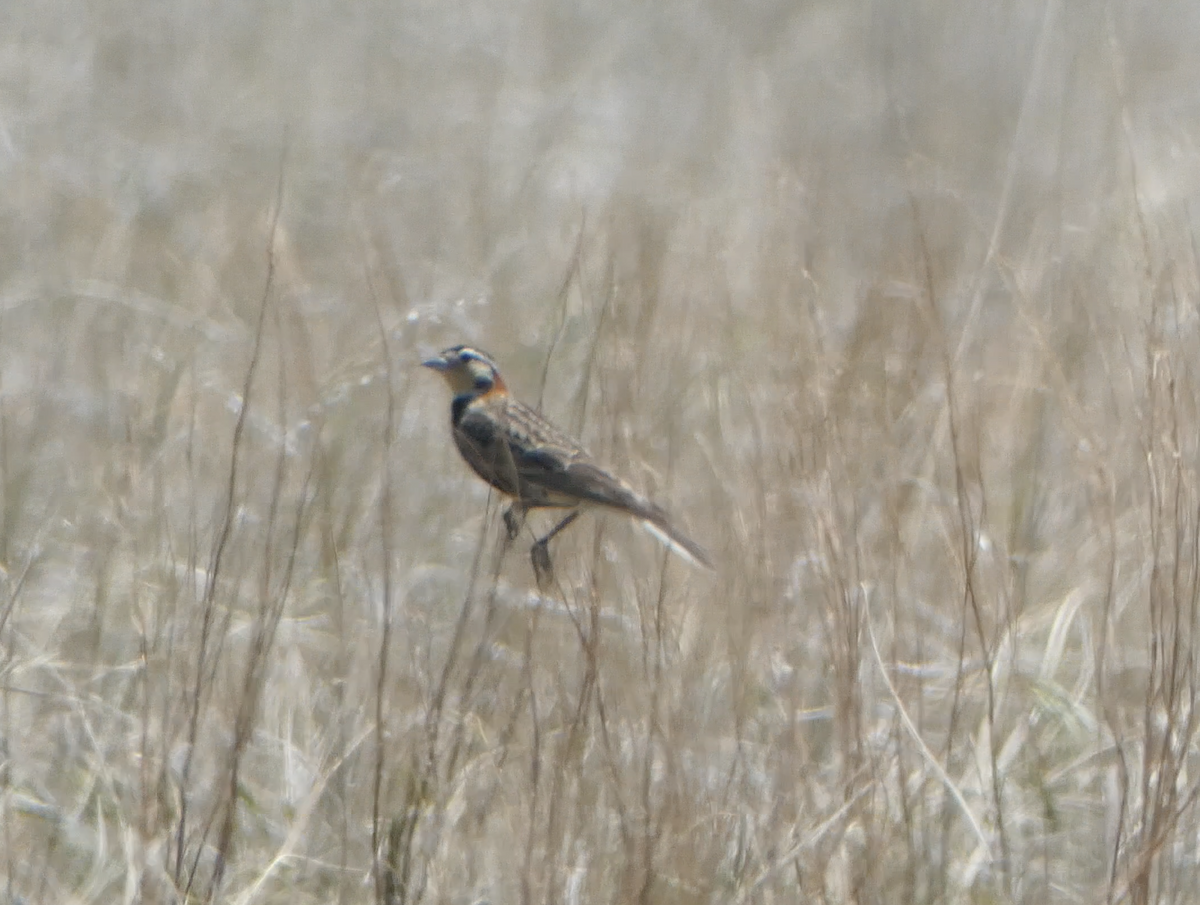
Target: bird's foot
[(514, 520), (543, 569)]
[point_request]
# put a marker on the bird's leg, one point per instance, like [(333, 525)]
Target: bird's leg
[(539, 553), (514, 519)]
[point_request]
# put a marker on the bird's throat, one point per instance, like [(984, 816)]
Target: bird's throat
[(459, 406)]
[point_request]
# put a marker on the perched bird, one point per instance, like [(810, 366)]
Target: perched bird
[(528, 459)]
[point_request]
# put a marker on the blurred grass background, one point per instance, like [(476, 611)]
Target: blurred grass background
[(894, 305)]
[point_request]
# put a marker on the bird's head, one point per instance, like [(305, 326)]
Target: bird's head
[(467, 370)]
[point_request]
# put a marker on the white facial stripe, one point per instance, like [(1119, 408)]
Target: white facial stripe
[(481, 371)]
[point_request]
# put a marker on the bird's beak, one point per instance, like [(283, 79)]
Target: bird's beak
[(438, 364)]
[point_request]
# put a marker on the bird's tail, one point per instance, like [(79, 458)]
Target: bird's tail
[(659, 524), (598, 486)]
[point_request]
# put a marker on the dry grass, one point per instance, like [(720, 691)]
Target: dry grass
[(897, 308)]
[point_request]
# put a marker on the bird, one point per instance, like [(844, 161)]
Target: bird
[(534, 463)]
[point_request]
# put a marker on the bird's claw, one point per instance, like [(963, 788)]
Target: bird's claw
[(514, 519), (539, 555)]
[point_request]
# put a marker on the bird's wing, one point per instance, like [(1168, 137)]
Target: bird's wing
[(517, 451), (579, 478), (584, 480), (555, 470), (553, 463), (542, 455)]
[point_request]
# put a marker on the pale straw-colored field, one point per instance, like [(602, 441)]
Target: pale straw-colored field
[(896, 306)]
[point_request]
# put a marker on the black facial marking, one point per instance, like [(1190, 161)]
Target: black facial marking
[(458, 406)]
